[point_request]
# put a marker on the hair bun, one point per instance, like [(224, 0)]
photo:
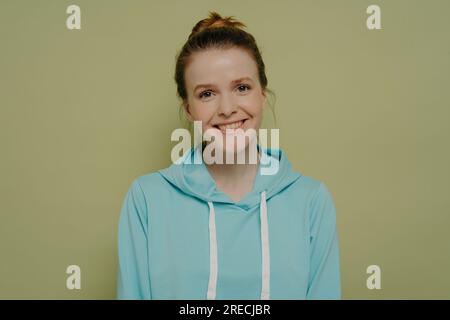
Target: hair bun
[(215, 20)]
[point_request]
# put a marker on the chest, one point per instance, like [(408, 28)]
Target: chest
[(179, 253)]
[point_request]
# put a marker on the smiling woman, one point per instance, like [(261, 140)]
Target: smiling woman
[(198, 230), (224, 92)]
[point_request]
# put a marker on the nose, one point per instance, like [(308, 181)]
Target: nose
[(227, 106)]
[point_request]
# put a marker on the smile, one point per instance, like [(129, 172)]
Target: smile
[(231, 126)]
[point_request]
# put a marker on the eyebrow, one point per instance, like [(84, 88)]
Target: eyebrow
[(232, 82)]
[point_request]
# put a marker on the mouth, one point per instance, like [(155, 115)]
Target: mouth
[(231, 126)]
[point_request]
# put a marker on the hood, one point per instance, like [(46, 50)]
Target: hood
[(190, 175), (195, 180)]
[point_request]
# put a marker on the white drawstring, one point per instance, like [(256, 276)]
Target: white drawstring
[(265, 275), (212, 254), (265, 286)]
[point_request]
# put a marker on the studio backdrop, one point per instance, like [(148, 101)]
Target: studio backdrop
[(88, 103)]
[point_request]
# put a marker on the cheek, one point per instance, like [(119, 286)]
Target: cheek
[(202, 112), (255, 106)]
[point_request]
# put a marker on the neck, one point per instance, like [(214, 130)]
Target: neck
[(234, 174)]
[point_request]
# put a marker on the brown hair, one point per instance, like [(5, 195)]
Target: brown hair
[(216, 32)]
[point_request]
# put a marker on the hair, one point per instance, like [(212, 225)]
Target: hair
[(217, 32)]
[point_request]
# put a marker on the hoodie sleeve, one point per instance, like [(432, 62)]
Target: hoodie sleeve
[(133, 279), (324, 276)]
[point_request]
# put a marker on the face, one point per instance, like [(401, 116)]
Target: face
[(224, 92)]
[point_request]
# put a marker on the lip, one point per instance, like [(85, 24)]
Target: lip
[(222, 124), (229, 122)]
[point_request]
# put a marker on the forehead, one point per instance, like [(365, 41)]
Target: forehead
[(219, 65)]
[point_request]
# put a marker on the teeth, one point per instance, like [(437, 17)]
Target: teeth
[(233, 125)]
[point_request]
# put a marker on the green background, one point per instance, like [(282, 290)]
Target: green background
[(84, 112)]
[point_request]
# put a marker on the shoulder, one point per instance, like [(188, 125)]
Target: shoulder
[(308, 186), (149, 180), (322, 210), (150, 183), (316, 194)]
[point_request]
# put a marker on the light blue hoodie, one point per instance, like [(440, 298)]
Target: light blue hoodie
[(182, 238)]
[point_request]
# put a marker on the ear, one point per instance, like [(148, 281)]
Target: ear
[(187, 110), (264, 94)]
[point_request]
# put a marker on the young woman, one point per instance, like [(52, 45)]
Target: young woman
[(219, 230)]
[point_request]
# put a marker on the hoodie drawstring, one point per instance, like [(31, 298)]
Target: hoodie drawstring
[(212, 254), (265, 274), (265, 286)]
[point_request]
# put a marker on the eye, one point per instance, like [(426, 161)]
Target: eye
[(205, 94), (243, 87)]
